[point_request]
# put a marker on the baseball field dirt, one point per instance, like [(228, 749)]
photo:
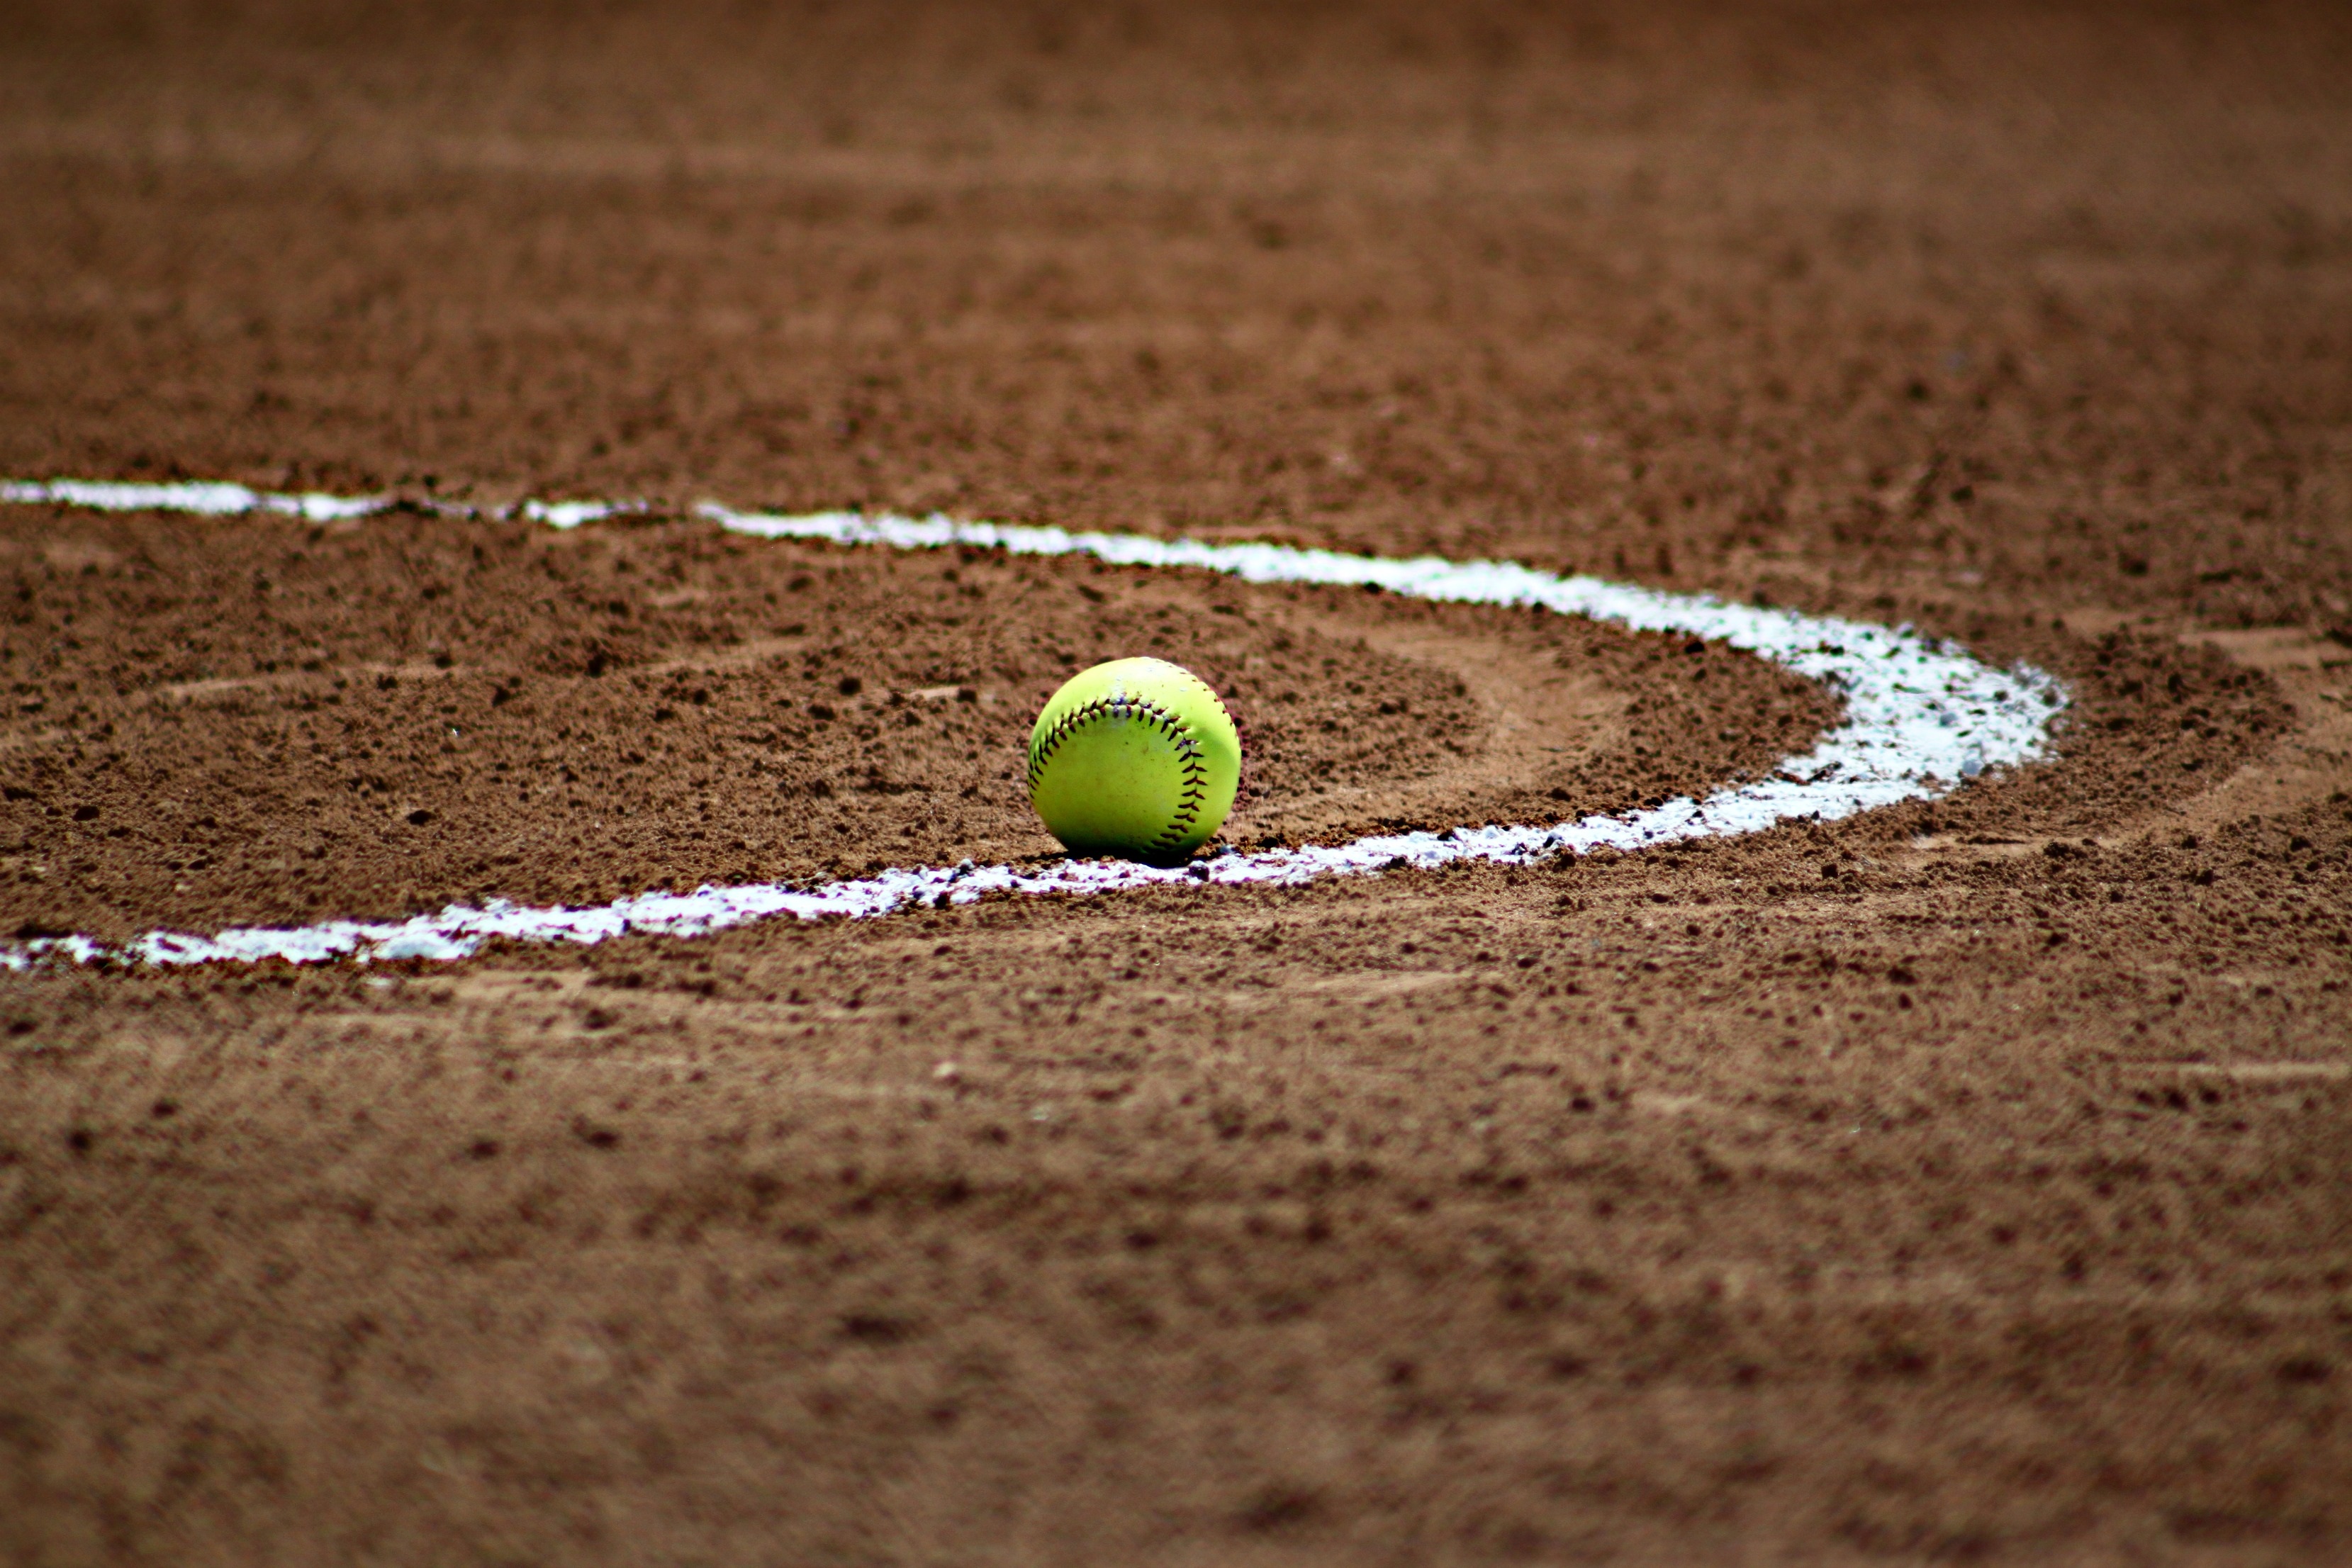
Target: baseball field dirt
[(1965, 1180)]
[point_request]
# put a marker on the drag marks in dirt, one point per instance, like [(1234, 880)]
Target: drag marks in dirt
[(1922, 717), (2312, 762)]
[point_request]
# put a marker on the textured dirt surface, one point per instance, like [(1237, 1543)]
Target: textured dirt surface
[(1966, 1181), (271, 722)]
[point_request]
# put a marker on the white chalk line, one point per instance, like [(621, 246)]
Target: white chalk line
[(1922, 717)]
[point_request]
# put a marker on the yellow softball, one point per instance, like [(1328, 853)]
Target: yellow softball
[(1135, 757)]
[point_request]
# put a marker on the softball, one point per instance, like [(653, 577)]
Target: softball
[(1135, 758)]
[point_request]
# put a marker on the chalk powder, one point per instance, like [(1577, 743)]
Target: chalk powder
[(1922, 718)]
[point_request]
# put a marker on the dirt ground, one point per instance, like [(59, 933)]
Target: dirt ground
[(1968, 1181)]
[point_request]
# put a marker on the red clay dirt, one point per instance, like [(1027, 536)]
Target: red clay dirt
[(1966, 1181)]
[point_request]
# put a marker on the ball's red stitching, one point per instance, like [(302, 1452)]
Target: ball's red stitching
[(1190, 795)]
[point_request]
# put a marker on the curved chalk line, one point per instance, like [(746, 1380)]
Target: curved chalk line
[(1922, 717)]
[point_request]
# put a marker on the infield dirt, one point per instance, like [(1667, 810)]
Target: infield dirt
[(1962, 1180)]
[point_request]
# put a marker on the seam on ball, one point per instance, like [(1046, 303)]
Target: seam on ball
[(1190, 795)]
